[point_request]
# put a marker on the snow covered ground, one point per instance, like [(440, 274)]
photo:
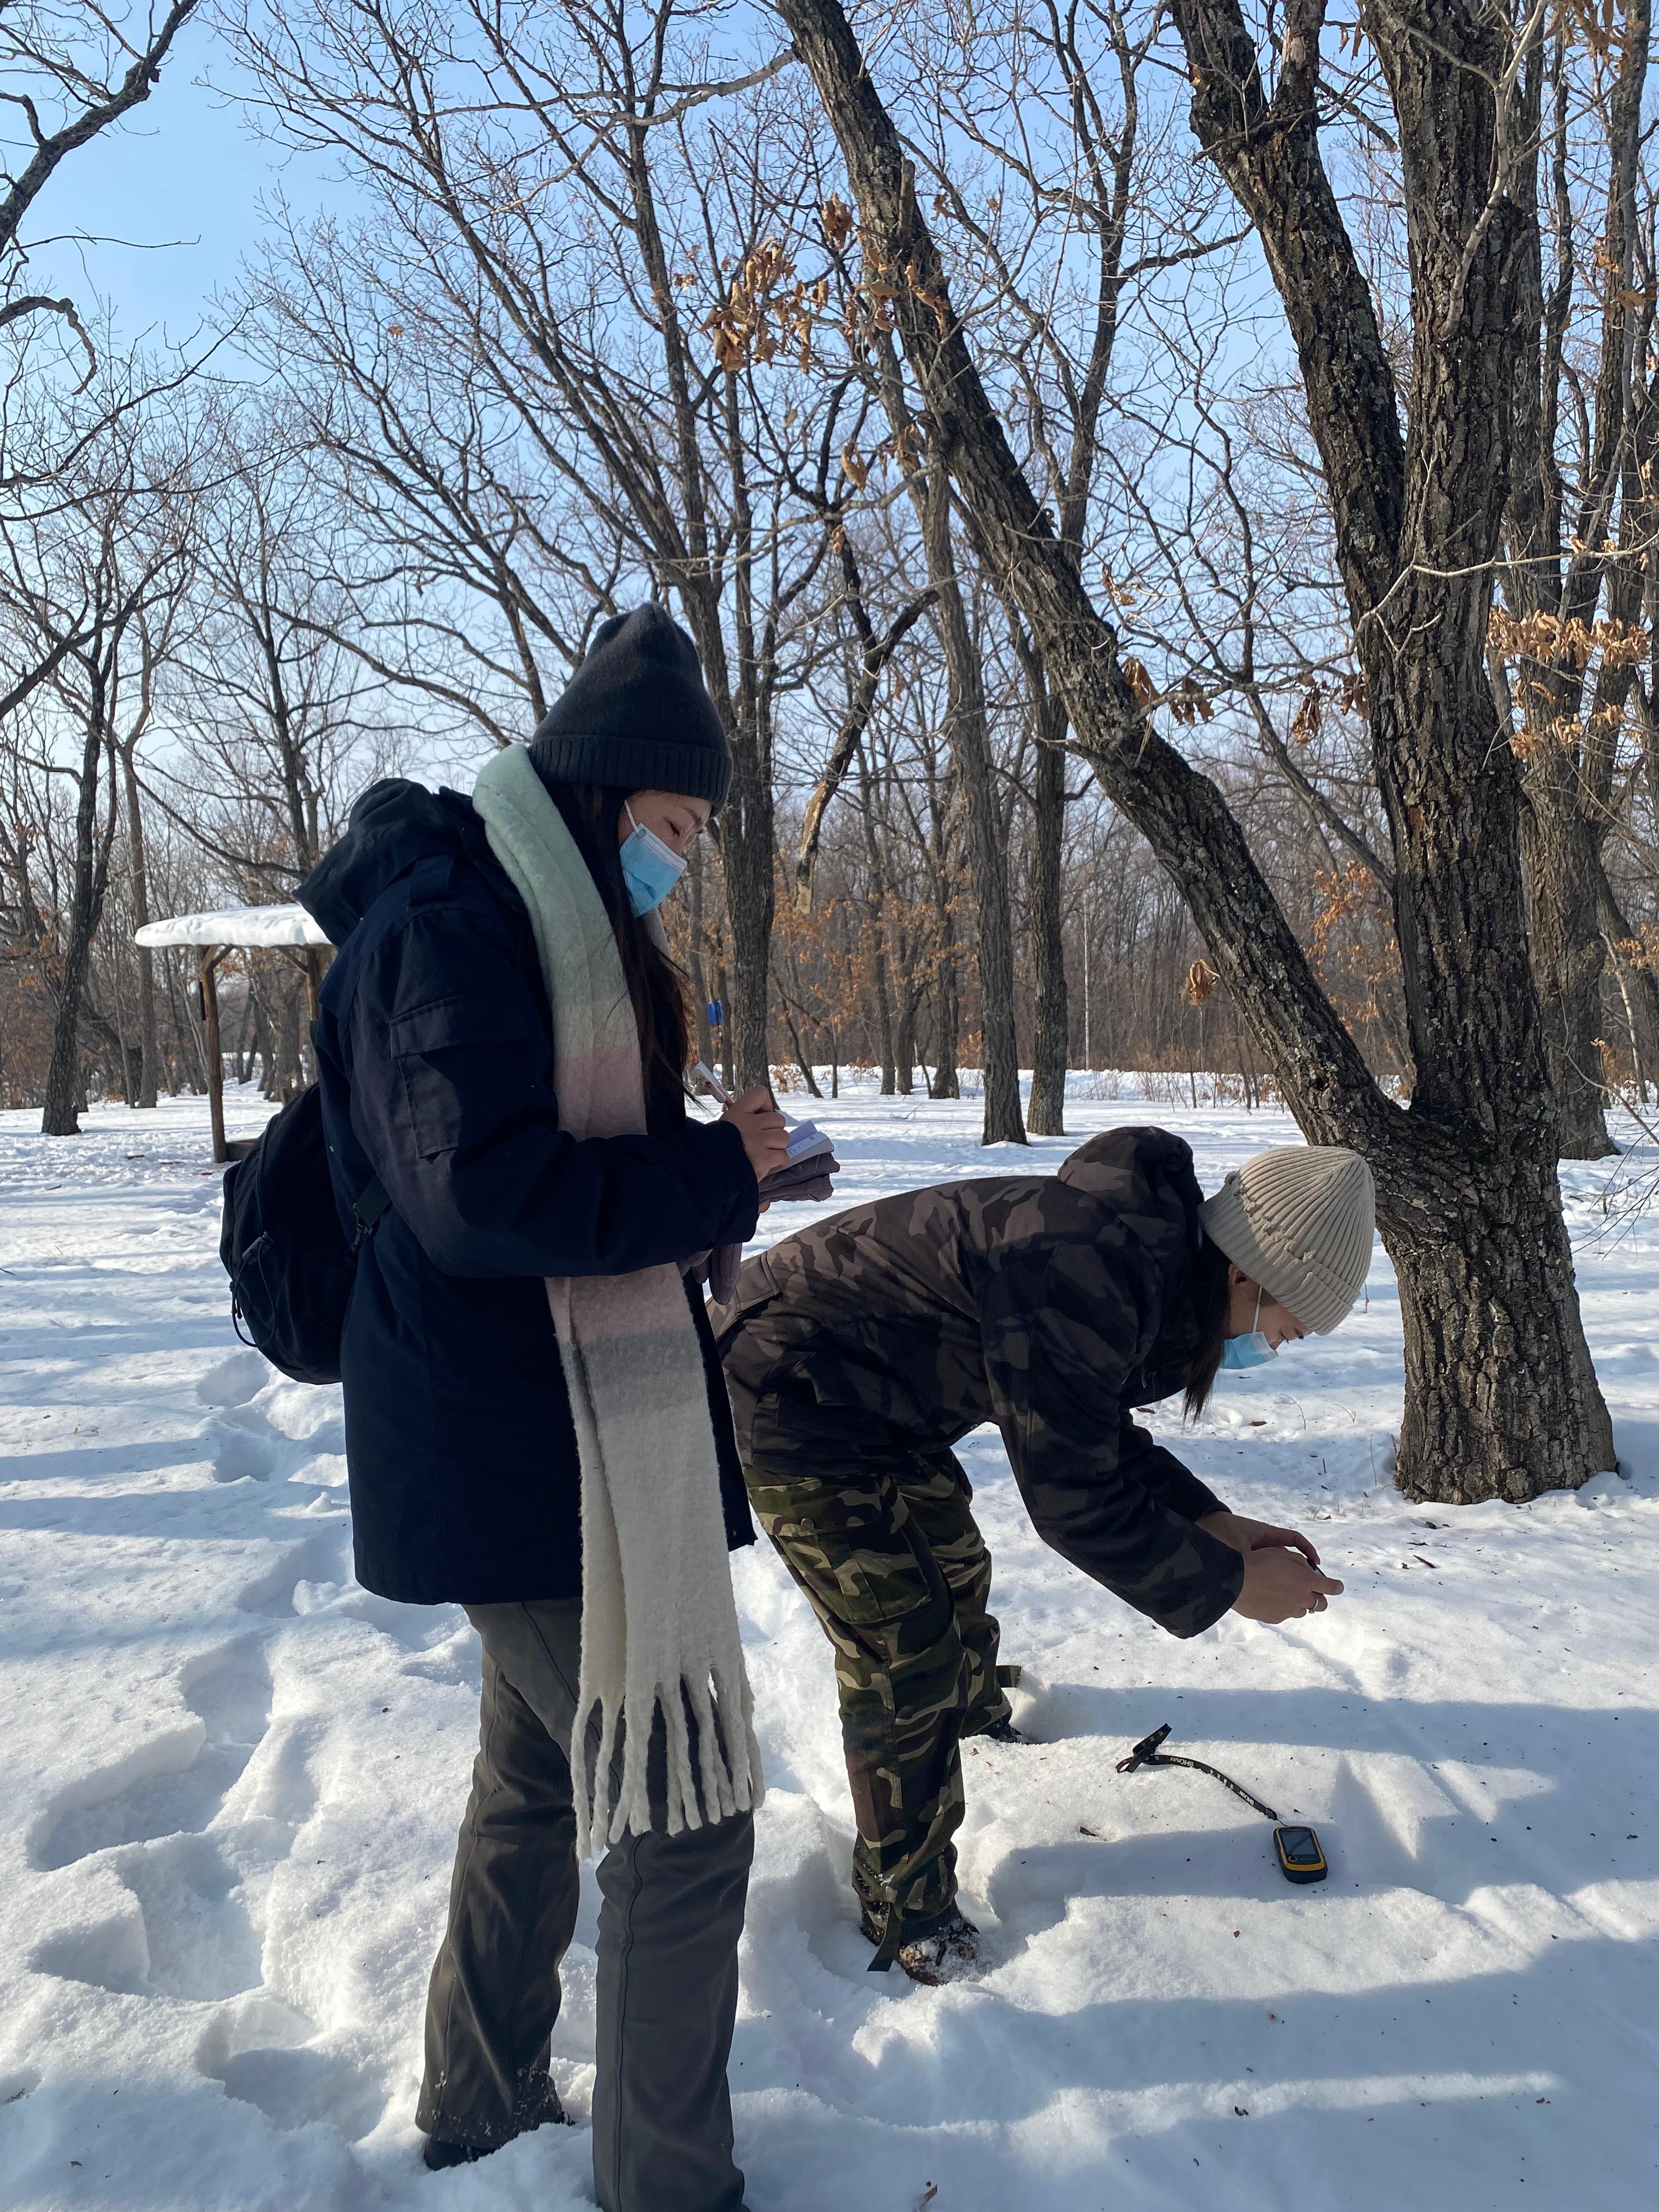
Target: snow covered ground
[(218, 1900)]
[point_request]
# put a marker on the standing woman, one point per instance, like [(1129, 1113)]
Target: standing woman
[(536, 1424)]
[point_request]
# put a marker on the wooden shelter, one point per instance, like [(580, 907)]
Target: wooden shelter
[(288, 927)]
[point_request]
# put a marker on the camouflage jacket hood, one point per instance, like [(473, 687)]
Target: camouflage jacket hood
[(1052, 1306)]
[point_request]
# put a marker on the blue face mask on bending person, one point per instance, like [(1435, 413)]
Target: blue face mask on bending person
[(1252, 1350), (650, 868)]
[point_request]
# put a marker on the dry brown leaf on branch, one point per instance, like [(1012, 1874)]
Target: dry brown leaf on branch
[(1191, 703), (1546, 639), (1309, 716), (838, 220), (1201, 983), (1595, 23), (1136, 675)]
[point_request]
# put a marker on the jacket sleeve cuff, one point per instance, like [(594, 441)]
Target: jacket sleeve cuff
[(723, 1149), (1219, 1596)]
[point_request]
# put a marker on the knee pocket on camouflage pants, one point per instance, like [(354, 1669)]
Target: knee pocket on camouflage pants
[(853, 1549), (903, 1670)]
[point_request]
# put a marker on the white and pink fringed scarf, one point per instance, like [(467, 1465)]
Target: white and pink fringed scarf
[(659, 1626)]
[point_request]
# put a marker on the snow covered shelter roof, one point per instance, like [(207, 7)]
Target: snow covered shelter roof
[(236, 925)]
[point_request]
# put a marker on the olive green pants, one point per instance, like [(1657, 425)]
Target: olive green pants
[(671, 1913), (885, 1545)]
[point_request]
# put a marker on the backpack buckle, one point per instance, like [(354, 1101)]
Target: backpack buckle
[(367, 1208)]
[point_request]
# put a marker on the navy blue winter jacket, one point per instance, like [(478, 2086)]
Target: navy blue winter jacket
[(435, 1058)]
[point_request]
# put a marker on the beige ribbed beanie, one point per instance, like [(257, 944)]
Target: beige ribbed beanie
[(1299, 1221)]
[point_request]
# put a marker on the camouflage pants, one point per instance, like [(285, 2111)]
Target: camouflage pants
[(885, 1545)]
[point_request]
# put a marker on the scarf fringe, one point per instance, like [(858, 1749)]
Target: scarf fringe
[(724, 1783)]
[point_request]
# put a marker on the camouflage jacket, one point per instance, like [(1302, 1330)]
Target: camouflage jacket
[(1050, 1304)]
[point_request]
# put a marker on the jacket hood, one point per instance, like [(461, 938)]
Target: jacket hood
[(394, 826), (1145, 1176)]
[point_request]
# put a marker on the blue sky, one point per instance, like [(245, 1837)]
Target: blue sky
[(181, 183)]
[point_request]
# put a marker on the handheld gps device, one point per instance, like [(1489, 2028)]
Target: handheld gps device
[(1297, 1849), (1300, 1858)]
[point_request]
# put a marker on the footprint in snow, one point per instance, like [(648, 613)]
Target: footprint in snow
[(190, 1925), (318, 1557), (235, 1380), (241, 1452), (262, 2052), (187, 1932), (175, 1783)]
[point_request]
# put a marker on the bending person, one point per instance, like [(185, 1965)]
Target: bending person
[(858, 1351), (502, 1046)]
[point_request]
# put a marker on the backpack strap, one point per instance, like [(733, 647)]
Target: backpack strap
[(428, 881)]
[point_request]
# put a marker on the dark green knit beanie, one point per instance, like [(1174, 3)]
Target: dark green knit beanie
[(637, 713)]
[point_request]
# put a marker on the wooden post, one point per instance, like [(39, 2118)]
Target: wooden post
[(211, 956)]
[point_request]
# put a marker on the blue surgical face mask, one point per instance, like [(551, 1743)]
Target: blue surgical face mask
[(1251, 1350), (650, 868)]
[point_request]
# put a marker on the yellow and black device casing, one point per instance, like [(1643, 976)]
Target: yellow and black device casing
[(1307, 1863)]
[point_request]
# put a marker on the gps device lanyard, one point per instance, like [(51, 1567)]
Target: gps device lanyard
[(1147, 1754)]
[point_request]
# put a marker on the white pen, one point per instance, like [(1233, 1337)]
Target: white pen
[(701, 1069)]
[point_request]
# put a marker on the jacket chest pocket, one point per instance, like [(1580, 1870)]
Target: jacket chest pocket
[(455, 1058)]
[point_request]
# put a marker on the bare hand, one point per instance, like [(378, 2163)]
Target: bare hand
[(1280, 1585), (1245, 1535), (758, 1122)]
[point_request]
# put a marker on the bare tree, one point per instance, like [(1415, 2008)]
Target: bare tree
[(482, 138), (1502, 1397), (68, 72), (100, 562)]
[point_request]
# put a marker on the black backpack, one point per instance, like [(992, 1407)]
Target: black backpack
[(290, 1266)]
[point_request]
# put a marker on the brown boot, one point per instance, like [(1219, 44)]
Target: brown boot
[(946, 1953)]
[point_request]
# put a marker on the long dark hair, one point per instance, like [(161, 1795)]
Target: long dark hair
[(1212, 1298), (655, 986)]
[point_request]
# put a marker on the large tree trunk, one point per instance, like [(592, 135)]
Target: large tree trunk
[(692, 562), (904, 1041), (875, 905), (148, 1030), (946, 1082), (970, 736), (748, 856), (1416, 530), (728, 1077), (1556, 574), (1568, 953), (60, 1116), (1492, 1342), (1637, 980), (696, 975), (1046, 1113)]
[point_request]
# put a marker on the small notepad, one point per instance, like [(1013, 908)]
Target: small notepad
[(806, 1141)]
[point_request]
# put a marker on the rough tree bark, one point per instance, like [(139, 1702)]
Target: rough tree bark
[(875, 902), (968, 733), (1501, 1399), (1557, 570), (89, 883), (690, 560), (969, 738), (1045, 1113)]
